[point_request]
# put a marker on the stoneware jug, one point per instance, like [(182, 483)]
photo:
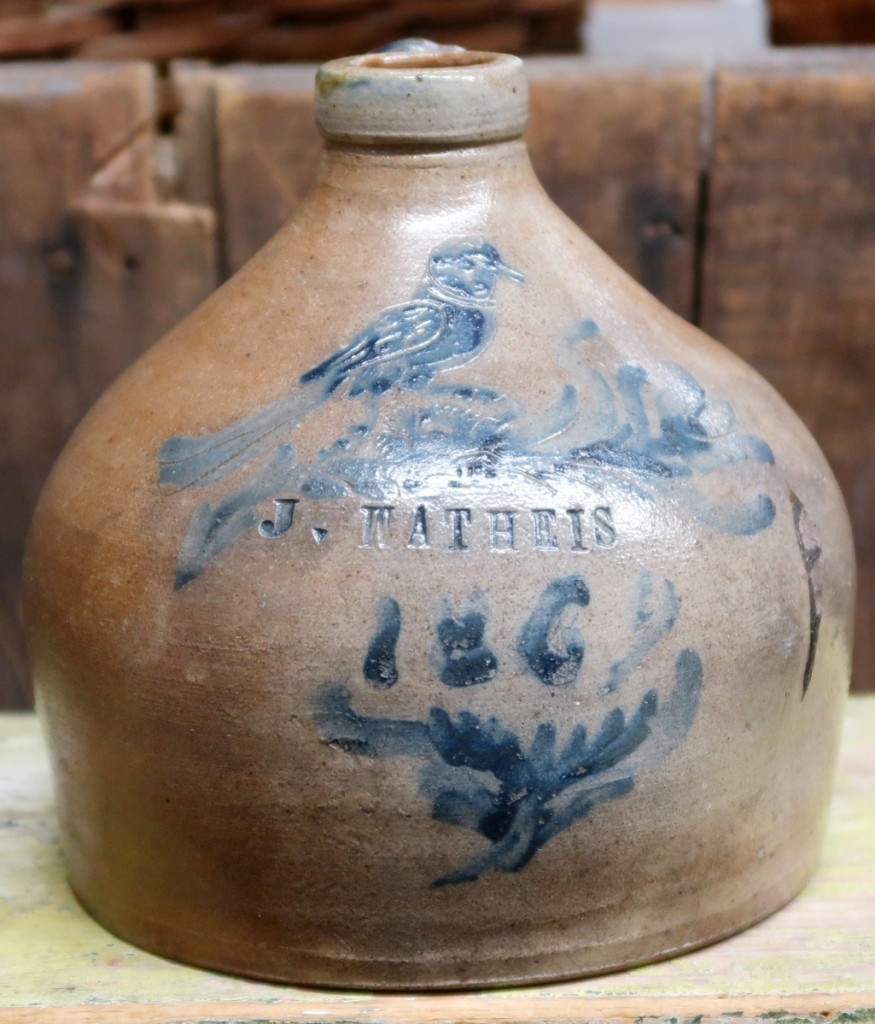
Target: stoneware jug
[(432, 607)]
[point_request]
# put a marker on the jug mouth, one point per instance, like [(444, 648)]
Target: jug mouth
[(422, 95)]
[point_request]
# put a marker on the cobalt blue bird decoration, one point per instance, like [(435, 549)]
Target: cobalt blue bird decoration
[(446, 323)]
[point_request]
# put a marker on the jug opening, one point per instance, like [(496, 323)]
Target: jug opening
[(425, 61)]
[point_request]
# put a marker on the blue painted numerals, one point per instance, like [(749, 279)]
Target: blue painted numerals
[(466, 659), (478, 773), (543, 662), (380, 668)]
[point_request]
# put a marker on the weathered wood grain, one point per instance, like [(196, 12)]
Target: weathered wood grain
[(143, 268), (192, 99), (817, 22), (618, 149), (42, 36), (789, 261), (92, 270), (278, 30), (811, 963), (219, 37), (268, 151), (60, 125)]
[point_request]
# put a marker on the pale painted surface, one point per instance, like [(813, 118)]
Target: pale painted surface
[(817, 955), (697, 29)]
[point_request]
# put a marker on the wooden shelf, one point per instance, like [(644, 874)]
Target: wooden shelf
[(812, 961)]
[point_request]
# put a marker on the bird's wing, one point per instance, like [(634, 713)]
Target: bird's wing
[(399, 331)]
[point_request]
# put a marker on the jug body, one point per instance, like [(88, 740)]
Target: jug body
[(432, 608)]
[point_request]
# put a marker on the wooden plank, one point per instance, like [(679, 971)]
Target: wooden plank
[(618, 149), (60, 125), (16, 8), (40, 36), (323, 40), (143, 268), (193, 88), (280, 29), (217, 37), (789, 266), (813, 22), (93, 270), (504, 35), (268, 151), (811, 963)]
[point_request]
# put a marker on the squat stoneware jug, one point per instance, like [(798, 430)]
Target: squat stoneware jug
[(433, 608)]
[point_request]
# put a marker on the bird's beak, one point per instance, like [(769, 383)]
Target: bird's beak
[(502, 268)]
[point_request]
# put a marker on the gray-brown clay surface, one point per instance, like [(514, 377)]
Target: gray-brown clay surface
[(432, 607)]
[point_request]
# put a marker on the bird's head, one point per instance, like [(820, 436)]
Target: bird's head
[(468, 270)]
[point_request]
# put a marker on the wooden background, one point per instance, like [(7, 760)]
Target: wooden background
[(277, 30), (744, 197), (803, 22)]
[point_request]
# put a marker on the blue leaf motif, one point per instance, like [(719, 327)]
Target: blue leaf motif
[(480, 777)]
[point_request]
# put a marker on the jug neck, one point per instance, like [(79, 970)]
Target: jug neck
[(422, 95), (471, 169), (410, 192)]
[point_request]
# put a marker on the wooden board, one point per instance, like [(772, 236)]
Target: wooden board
[(280, 30), (60, 125), (192, 106), (93, 270), (789, 260), (41, 36), (268, 151), (813, 22), (144, 267), (618, 150), (811, 963)]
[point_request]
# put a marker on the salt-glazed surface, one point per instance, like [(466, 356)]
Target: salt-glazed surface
[(432, 607)]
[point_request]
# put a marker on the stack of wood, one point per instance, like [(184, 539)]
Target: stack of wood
[(815, 22), (277, 30)]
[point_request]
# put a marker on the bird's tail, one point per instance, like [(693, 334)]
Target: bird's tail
[(198, 461)]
